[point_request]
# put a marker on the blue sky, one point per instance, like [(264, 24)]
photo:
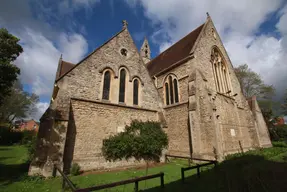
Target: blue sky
[(253, 32)]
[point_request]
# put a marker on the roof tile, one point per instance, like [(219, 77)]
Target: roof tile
[(175, 53)]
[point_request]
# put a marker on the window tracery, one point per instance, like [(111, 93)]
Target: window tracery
[(220, 72), (171, 91)]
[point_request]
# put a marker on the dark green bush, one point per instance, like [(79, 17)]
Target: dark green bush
[(278, 133), (141, 140), (75, 169), (28, 138), (31, 146), (9, 137), (279, 144)]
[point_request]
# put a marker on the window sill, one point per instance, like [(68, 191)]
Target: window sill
[(175, 105), (227, 96), (122, 103), (106, 101)]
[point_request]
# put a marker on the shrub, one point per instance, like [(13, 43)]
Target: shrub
[(141, 140), (31, 146), (28, 137), (75, 169), (8, 136), (278, 133), (279, 144)]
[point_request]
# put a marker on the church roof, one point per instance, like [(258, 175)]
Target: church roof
[(65, 67), (175, 53)]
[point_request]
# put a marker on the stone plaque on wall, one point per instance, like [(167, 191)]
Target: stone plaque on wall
[(232, 132)]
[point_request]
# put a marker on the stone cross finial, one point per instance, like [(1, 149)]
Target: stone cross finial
[(125, 24)]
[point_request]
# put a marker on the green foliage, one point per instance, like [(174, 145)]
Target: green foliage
[(18, 105), (252, 84), (9, 137), (29, 139), (8, 75), (9, 51), (32, 178), (141, 140), (75, 169), (284, 104), (278, 133), (279, 144)]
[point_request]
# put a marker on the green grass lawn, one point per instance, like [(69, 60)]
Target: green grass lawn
[(258, 170)]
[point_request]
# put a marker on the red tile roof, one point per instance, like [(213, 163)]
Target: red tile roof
[(175, 53)]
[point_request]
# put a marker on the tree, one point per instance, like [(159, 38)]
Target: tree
[(19, 104), (252, 84), (9, 51), (284, 104), (141, 140)]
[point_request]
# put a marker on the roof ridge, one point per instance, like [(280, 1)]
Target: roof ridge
[(91, 53)]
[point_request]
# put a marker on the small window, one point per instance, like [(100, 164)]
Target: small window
[(106, 87), (136, 92), (122, 85), (124, 52)]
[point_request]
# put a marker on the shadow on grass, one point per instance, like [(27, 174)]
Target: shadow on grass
[(245, 173), (12, 172)]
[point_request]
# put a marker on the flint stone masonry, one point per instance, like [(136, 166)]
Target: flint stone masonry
[(206, 122)]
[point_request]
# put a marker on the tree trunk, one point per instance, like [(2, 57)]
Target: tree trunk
[(146, 172)]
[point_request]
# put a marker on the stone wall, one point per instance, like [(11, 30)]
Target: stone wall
[(91, 122), (222, 123), (263, 134), (85, 80), (177, 129)]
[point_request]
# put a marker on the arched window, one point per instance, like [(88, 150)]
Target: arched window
[(106, 85), (175, 91), (166, 94), (171, 90), (220, 72), (122, 85), (136, 92)]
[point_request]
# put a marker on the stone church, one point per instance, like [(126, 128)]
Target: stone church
[(191, 88)]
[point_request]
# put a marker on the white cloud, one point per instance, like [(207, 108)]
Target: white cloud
[(70, 6), (236, 22), (41, 108), (38, 63), (42, 43)]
